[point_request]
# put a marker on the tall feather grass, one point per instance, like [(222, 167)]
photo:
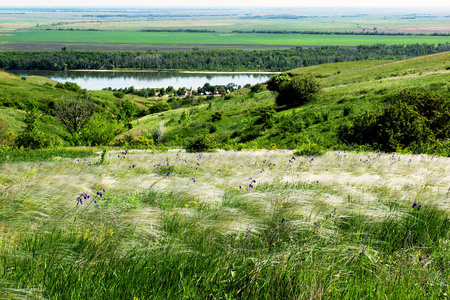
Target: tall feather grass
[(228, 225)]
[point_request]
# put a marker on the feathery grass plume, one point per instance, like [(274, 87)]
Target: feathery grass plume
[(291, 237)]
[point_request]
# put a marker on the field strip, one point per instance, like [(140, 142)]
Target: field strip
[(215, 38)]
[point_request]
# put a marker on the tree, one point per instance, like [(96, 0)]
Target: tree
[(31, 137), (100, 130), (74, 113), (297, 91), (31, 116)]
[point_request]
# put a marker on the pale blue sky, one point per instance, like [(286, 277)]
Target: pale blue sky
[(231, 3)]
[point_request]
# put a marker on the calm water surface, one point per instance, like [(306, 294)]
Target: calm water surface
[(93, 80)]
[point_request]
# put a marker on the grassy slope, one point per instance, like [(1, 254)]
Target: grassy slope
[(354, 86), (42, 90), (351, 86)]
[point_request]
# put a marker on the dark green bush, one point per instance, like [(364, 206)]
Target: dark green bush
[(200, 144), (257, 88), (32, 140), (216, 116), (411, 119), (160, 107), (297, 91), (119, 94), (100, 130), (275, 82), (265, 118)]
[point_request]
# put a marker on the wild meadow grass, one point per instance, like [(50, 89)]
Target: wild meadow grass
[(226, 225)]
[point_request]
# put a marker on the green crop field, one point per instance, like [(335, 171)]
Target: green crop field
[(214, 38)]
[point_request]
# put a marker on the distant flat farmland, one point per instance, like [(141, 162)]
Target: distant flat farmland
[(155, 38)]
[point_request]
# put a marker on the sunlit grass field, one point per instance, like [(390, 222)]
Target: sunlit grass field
[(215, 38), (223, 225)]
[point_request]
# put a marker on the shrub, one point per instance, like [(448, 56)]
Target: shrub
[(127, 110), (200, 144), (158, 134), (142, 142), (265, 118), (160, 107), (257, 88), (212, 128), (100, 130), (119, 94), (275, 82), (185, 118), (297, 91), (411, 119), (32, 140), (216, 116), (309, 148), (70, 86), (346, 111)]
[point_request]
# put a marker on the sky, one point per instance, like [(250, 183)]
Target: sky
[(231, 3)]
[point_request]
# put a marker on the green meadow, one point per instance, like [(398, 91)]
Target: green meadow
[(224, 225), (214, 38)]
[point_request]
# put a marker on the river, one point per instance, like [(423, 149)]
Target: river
[(97, 80)]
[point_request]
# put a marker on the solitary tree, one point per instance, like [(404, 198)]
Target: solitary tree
[(294, 91), (74, 113), (30, 137)]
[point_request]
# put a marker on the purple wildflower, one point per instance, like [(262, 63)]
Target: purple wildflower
[(414, 204), (419, 207)]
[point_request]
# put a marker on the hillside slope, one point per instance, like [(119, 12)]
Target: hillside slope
[(349, 89), (246, 118)]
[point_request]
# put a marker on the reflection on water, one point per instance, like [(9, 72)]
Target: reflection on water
[(93, 80)]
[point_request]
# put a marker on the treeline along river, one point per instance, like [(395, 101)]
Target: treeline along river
[(210, 60)]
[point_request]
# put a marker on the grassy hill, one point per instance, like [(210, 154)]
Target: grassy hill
[(249, 119), (16, 91), (349, 89)]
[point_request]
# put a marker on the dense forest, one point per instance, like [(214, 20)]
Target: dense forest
[(214, 60)]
